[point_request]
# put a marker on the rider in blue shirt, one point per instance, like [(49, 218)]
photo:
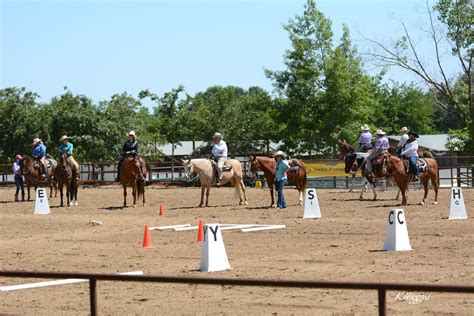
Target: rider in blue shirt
[(39, 153)]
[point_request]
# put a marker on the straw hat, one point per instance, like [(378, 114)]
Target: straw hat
[(217, 135), (365, 127), (380, 132), (404, 130), (132, 133), (279, 153), (36, 141), (63, 138)]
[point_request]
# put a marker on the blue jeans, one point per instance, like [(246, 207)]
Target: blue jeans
[(413, 166), (19, 186), (281, 203)]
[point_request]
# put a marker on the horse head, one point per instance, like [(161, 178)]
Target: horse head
[(254, 164), (188, 168), (26, 165), (345, 148)]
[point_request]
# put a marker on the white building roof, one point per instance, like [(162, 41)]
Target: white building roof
[(435, 142), (182, 149)]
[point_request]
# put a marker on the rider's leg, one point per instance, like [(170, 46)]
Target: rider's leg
[(76, 167), (414, 168), (220, 164), (118, 169)]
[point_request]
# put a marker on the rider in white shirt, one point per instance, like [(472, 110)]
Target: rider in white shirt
[(403, 139), (410, 151), (219, 151)]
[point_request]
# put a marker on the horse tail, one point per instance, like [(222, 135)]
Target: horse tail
[(140, 188)]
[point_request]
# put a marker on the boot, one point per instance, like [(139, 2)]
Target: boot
[(16, 197)]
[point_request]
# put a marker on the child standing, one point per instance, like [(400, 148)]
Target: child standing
[(280, 177), (18, 178)]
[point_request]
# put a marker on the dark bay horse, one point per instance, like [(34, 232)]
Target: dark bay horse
[(66, 176), (396, 168), (131, 173), (30, 170), (268, 166)]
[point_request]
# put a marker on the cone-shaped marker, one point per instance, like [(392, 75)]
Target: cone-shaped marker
[(146, 238), (200, 231), (162, 210)]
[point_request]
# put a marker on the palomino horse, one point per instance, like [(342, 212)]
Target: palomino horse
[(395, 167), (268, 166), (30, 170), (133, 175), (204, 168), (66, 176)]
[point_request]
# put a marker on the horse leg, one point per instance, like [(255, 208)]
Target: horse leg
[(61, 194), (28, 192), (272, 196), (434, 182), (68, 193), (364, 185), (203, 188), (425, 182), (124, 195), (351, 182), (242, 185), (134, 193), (207, 194), (301, 196)]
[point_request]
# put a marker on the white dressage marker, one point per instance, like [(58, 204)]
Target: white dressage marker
[(41, 202), (396, 237), (262, 228), (457, 209), (311, 205), (169, 227), (213, 254), (10, 288)]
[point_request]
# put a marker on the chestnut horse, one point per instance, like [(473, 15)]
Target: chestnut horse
[(66, 176), (268, 166), (30, 170), (396, 168), (206, 172), (133, 175)]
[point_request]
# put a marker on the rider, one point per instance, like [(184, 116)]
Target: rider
[(403, 139), (410, 151), (39, 153), (68, 147), (365, 139), (130, 147), (381, 145), (219, 151)]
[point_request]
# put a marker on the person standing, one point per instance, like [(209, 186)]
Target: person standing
[(282, 167), (219, 151), (18, 178), (69, 147)]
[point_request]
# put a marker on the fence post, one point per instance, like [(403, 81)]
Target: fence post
[(93, 296), (382, 302)]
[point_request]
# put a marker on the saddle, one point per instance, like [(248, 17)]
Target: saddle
[(225, 167), (293, 165), (421, 164)]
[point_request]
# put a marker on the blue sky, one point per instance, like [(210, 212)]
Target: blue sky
[(99, 48)]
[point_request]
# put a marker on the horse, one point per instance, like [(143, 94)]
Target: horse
[(204, 168), (396, 168), (66, 176), (296, 177), (353, 162), (29, 168), (133, 172)]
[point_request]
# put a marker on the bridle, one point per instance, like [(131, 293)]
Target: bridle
[(189, 169)]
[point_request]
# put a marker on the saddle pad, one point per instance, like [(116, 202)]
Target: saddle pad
[(361, 155)]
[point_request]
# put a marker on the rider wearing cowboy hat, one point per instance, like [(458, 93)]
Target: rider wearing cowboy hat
[(130, 147), (403, 139), (282, 167), (219, 152), (69, 147), (365, 139), (381, 145), (410, 151), (39, 153)]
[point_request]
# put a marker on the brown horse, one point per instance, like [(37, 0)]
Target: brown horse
[(65, 175), (396, 168), (133, 173), (296, 177), (30, 170)]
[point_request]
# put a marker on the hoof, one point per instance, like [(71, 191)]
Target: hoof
[(246, 202), (75, 203), (360, 198), (422, 203), (301, 203), (435, 202), (350, 190), (134, 206), (241, 203)]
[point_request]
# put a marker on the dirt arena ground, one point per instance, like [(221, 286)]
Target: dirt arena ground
[(344, 245)]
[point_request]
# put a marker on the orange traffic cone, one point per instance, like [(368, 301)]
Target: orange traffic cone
[(146, 238), (200, 231), (162, 210)]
